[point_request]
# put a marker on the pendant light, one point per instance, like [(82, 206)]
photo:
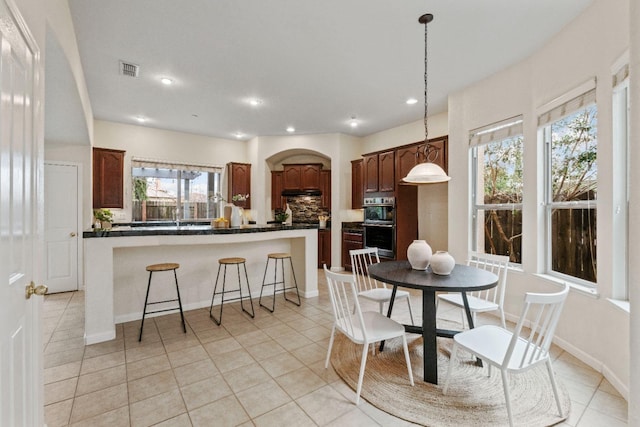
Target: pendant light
[(427, 172)]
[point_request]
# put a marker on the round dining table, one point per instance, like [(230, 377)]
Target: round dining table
[(462, 279)]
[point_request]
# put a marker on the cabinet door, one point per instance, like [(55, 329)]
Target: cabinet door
[(357, 190), (350, 241), (324, 248), (371, 173), (386, 171), (437, 153), (108, 179), (292, 177), (276, 190), (240, 182), (310, 175), (405, 160), (325, 187)]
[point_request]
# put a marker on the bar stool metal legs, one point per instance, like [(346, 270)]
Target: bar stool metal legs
[(236, 262), (162, 267), (281, 257)]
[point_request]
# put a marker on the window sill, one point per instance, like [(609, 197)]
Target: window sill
[(621, 304), (584, 290)]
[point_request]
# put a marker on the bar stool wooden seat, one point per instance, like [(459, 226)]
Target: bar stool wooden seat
[(237, 261), (279, 256), (153, 268)]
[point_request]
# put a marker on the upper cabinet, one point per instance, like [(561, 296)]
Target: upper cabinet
[(357, 184), (277, 182), (379, 172), (325, 187), (108, 179), (302, 177), (239, 182)]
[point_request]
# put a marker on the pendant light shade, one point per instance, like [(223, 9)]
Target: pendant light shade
[(427, 172)]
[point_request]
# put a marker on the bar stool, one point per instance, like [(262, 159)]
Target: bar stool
[(231, 261), (168, 266), (281, 257)]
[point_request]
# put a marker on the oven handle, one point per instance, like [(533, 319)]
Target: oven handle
[(378, 225)]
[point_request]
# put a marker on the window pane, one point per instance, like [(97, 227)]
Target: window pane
[(158, 192), (501, 234), (500, 168), (573, 157), (573, 242)]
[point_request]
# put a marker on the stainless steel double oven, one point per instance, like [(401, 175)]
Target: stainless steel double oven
[(380, 225)]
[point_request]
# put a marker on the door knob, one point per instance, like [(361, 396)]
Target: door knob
[(73, 234), (31, 289)]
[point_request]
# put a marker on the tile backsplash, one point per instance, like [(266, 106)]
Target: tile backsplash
[(306, 208)]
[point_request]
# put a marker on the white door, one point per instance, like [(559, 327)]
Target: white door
[(61, 227), (21, 389)]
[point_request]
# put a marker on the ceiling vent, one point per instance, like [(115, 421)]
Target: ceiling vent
[(128, 69)]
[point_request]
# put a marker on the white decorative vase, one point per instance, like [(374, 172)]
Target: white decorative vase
[(442, 263), (419, 254), (236, 217)]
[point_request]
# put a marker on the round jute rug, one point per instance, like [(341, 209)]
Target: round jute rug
[(473, 399)]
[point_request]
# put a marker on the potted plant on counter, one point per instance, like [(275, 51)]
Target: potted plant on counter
[(281, 217), (105, 216)]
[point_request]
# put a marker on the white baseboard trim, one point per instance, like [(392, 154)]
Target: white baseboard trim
[(97, 338)]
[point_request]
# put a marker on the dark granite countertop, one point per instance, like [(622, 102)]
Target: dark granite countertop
[(190, 229)]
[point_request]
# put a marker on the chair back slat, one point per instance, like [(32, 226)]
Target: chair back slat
[(347, 313), (541, 312), (496, 264), (361, 259)]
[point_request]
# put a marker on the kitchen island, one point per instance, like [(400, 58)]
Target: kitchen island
[(115, 261)]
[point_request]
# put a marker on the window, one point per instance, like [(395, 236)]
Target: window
[(620, 255), (496, 153), (170, 191), (569, 134)]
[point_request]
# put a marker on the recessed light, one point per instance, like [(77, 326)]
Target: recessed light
[(239, 135), (141, 119), (255, 102), (166, 81), (353, 122), (412, 101), (291, 129)]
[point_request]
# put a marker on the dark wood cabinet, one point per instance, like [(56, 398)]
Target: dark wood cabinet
[(386, 171), (370, 173), (324, 248), (406, 159), (277, 184), (325, 188), (357, 189), (302, 177), (108, 178), (438, 154), (239, 182), (350, 240)]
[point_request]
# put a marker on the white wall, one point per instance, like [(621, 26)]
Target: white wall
[(591, 327)]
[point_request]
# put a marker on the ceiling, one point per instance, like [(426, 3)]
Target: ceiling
[(313, 64)]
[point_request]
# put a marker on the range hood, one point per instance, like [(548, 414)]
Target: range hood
[(290, 193)]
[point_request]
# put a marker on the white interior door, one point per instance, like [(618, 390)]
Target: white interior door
[(61, 234), (21, 389)]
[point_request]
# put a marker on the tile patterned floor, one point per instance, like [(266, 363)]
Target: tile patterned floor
[(267, 371)]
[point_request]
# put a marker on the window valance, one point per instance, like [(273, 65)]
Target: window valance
[(496, 131), (161, 164)]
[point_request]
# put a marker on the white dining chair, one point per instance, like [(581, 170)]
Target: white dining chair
[(489, 299), (364, 328), (368, 287), (519, 351)]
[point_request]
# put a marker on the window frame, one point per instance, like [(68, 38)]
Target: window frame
[(495, 133), (544, 135)]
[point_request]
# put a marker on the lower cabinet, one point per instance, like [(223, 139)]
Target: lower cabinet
[(324, 248), (350, 240)]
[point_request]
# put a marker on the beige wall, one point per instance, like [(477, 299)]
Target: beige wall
[(591, 328)]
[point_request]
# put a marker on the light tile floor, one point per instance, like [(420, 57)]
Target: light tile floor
[(267, 371)]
